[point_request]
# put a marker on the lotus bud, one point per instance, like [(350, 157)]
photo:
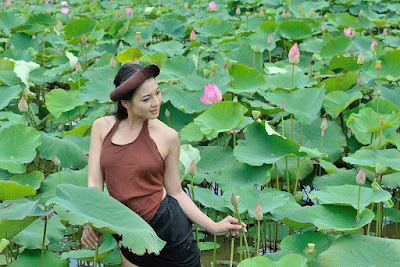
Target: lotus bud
[(324, 124), (385, 32), (167, 113), (238, 11), (282, 105), (261, 13), (294, 54), (128, 11), (48, 10), (374, 42), (192, 168), (258, 214), (361, 13), (247, 14), (323, 28), (192, 36), (61, 127), (12, 46), (23, 105), (270, 39), (379, 93), (283, 15), (121, 45), (360, 178), (380, 169), (56, 161), (186, 5), (78, 67), (138, 35), (360, 80), (33, 36), (312, 12), (83, 38), (234, 200), (255, 114), (288, 15), (360, 59), (112, 62), (378, 65)]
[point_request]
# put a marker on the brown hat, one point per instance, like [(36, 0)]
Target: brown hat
[(134, 81)]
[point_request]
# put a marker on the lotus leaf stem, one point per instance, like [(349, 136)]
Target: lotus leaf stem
[(232, 248), (358, 202), (43, 241), (244, 234), (258, 240)]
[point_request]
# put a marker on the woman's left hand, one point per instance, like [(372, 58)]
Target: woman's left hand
[(229, 223)]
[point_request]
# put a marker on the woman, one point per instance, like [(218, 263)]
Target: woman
[(143, 172)]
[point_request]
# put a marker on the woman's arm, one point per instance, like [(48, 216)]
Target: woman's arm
[(172, 184)]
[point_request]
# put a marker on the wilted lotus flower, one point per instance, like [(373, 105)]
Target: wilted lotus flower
[(128, 11), (270, 39), (186, 5), (258, 214), (192, 168), (112, 62), (167, 113), (238, 11), (360, 59), (294, 54), (360, 178), (212, 6), (234, 200), (56, 161), (23, 105), (374, 42), (78, 67), (192, 36), (64, 10), (212, 94)]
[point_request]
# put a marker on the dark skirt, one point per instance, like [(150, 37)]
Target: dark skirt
[(173, 226)]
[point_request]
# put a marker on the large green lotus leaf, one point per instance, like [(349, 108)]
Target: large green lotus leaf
[(243, 175), (293, 215), (341, 62), (129, 55), (305, 168), (335, 46), (32, 236), (341, 82), (215, 158), (369, 157), (220, 28), (8, 93), (208, 245), (393, 95), (390, 63), (345, 20), (77, 139), (221, 117), (287, 260), (170, 48), (88, 205), (312, 137), (33, 257), (11, 19), (210, 200), (348, 195), (18, 145), (170, 25), (246, 78), (33, 179), (191, 133), (305, 104), (108, 243), (75, 28), (250, 197), (385, 107), (8, 77), (69, 154), (49, 185), (60, 100), (284, 80), (337, 101), (366, 122), (178, 66), (260, 148), (313, 45), (188, 102), (298, 244), (14, 190), (339, 218), (16, 217), (244, 54), (99, 86), (361, 250), (295, 30), (339, 177)]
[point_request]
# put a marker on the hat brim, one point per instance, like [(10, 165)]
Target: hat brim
[(130, 84)]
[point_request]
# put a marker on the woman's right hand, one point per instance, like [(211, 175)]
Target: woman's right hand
[(89, 237)]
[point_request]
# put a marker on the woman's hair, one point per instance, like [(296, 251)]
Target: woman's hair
[(126, 71)]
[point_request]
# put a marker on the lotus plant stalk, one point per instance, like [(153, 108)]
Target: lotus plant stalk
[(277, 177), (397, 211), (258, 216), (232, 248), (379, 93), (192, 172), (235, 203), (43, 241), (95, 255), (310, 249), (324, 125), (282, 107), (241, 247), (287, 175), (360, 180), (378, 67), (215, 241)]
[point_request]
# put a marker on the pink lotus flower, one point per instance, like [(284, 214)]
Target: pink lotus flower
[(294, 54), (270, 39), (212, 6), (128, 11), (64, 3), (186, 5), (64, 10), (374, 42), (48, 10), (192, 35), (360, 59), (212, 94), (23, 105), (360, 178), (8, 3), (236, 131), (348, 32), (258, 213)]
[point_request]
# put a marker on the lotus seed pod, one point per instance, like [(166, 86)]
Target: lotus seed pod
[(380, 169), (360, 178)]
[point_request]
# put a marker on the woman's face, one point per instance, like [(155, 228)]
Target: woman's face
[(147, 98)]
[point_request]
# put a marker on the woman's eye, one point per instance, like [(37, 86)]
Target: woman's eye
[(158, 92)]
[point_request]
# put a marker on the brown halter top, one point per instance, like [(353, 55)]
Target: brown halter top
[(134, 172)]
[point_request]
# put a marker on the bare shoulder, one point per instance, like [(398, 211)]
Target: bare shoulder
[(104, 124), (163, 128)]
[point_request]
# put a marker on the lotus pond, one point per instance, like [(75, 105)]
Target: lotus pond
[(287, 111)]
